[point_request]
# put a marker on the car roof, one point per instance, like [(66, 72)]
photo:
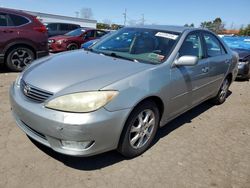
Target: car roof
[(177, 29), (18, 12), (61, 23)]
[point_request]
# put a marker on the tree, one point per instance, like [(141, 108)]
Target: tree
[(191, 25), (86, 13), (245, 31), (216, 25)]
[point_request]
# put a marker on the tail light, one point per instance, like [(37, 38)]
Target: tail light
[(40, 28)]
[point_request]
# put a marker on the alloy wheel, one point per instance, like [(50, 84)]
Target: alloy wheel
[(20, 58), (142, 129)]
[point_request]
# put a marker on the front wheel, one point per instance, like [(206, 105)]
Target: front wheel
[(139, 130), (222, 94), (72, 46)]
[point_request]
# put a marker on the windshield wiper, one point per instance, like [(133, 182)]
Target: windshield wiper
[(122, 57)]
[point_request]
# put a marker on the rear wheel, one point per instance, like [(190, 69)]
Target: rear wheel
[(72, 46), (18, 58), (222, 94), (139, 130)]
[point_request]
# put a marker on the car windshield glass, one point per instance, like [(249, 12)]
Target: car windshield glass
[(76, 32), (138, 44), (237, 42)]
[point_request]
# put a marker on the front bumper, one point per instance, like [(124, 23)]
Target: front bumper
[(101, 129), (56, 47)]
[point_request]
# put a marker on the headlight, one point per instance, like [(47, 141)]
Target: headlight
[(243, 62), (82, 102), (61, 41)]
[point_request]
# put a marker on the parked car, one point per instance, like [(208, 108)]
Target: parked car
[(74, 39), (23, 38), (90, 43), (241, 45), (117, 95), (55, 29)]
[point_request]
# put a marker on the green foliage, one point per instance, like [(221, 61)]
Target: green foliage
[(245, 31), (109, 27), (216, 25), (187, 25)]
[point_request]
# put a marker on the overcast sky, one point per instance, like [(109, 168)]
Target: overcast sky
[(175, 12)]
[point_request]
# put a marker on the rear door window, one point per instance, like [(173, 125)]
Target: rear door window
[(18, 20), (100, 33), (214, 47), (52, 27), (64, 27), (4, 20)]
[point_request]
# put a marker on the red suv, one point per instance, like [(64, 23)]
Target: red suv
[(23, 38), (74, 39)]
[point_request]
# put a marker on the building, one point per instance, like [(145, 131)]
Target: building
[(47, 18)]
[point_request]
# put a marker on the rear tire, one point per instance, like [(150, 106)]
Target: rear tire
[(139, 130), (222, 94), (18, 58)]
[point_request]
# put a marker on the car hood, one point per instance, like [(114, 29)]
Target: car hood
[(242, 53), (79, 71)]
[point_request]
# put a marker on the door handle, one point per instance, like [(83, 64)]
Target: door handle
[(205, 69), (227, 61)]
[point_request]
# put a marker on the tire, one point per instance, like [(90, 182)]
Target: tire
[(222, 94), (72, 46), (139, 130), (18, 58)]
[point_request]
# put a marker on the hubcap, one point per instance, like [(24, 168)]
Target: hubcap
[(224, 89), (21, 58), (142, 129)]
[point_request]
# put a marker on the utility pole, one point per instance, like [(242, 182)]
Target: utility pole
[(143, 19), (125, 17), (77, 14)]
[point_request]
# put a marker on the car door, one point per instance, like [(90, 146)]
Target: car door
[(89, 35), (219, 60), (7, 31), (189, 83)]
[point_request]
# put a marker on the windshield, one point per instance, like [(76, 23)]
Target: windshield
[(138, 44), (75, 33), (238, 42)]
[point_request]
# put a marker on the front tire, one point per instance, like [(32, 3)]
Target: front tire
[(139, 130), (72, 46), (18, 58)]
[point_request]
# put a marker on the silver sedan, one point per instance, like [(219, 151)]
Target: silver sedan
[(119, 92)]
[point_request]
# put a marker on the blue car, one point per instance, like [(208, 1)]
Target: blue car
[(86, 45), (241, 45)]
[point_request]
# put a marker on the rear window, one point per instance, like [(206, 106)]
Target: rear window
[(52, 27), (3, 20), (18, 20)]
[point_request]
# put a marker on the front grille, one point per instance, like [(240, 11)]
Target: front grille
[(34, 93)]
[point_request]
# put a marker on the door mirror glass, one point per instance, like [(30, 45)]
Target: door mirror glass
[(187, 60)]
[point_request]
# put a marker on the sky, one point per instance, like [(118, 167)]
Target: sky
[(234, 13)]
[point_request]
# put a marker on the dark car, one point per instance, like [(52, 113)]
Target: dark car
[(74, 39), (23, 38), (55, 29), (241, 45), (244, 63)]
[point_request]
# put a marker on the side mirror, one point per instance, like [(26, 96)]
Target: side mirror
[(186, 60)]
